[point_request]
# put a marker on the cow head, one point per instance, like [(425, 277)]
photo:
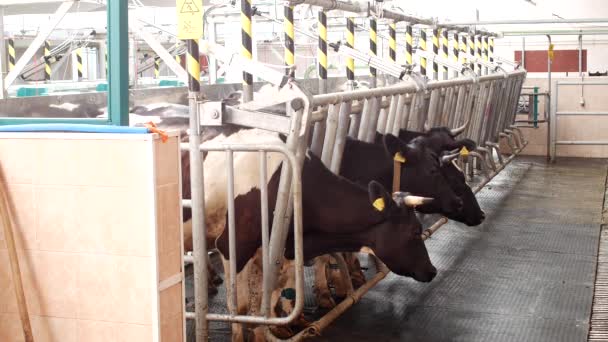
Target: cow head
[(421, 175), (397, 241)]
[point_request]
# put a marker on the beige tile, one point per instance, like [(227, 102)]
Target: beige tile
[(57, 162), (134, 333), (57, 218), (96, 331), (17, 156), (114, 220), (10, 328), (22, 206), (169, 263), (50, 283), (133, 291), (170, 302), (115, 162), (169, 230), (96, 281), (172, 329), (52, 329), (166, 160)]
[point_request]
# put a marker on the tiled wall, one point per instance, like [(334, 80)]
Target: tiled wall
[(97, 226)]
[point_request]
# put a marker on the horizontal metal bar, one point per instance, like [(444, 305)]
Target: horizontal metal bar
[(272, 122), (581, 113), (24, 120), (588, 142), (559, 83), (530, 21)]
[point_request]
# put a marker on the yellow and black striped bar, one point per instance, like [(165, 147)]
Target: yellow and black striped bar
[(436, 53), (322, 49), (157, 67), (373, 47), (79, 62), (472, 49), (392, 41), (463, 49), (350, 42), (478, 52), (246, 42), (11, 54), (194, 67), (484, 53), (408, 45), (444, 50), (289, 36), (47, 60), (423, 48), (456, 50), (491, 46)]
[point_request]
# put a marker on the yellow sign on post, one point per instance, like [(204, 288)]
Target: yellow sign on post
[(189, 19)]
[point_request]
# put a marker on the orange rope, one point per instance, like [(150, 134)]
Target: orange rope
[(154, 129)]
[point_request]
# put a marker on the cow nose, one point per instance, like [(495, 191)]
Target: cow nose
[(483, 215), (458, 205), (427, 276)]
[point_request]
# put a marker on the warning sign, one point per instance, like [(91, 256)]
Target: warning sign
[(189, 19)]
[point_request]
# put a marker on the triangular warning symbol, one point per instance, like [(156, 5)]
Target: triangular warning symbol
[(189, 7)]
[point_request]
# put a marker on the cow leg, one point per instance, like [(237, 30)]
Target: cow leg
[(321, 289), (340, 277), (238, 333)]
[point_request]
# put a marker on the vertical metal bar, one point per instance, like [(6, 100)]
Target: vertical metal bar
[(342, 130), (350, 42), (79, 63), (390, 118), (157, 67), (580, 56), (551, 104), (322, 53), (199, 229), (330, 133), (423, 47), (288, 27), (102, 59), (535, 108), (456, 51), (433, 107), (478, 53), (373, 48), (47, 60), (395, 126), (444, 50), (232, 298), (408, 45), (472, 49), (523, 52), (265, 231), (491, 53), (383, 114), (246, 48), (118, 69), (374, 110), (484, 47), (435, 53), (392, 41), (365, 120)]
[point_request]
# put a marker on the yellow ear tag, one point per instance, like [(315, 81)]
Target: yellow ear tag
[(399, 157), (464, 151), (379, 204)]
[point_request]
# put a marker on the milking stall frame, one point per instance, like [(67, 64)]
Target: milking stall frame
[(481, 100), (468, 91)]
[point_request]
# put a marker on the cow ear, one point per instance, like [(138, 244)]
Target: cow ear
[(381, 200), (397, 149)]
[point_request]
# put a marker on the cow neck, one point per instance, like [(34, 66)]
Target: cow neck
[(363, 162), (333, 202), (318, 243)]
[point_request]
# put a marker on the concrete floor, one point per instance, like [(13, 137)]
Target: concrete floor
[(525, 274)]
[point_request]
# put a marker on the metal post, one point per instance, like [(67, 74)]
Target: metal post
[(478, 53), (408, 45), (373, 49), (322, 52), (435, 53), (350, 42), (535, 108), (11, 54), (491, 45), (523, 52), (444, 50), (47, 62), (424, 49), (392, 42), (118, 67), (472, 49), (102, 59), (456, 51), (580, 55), (246, 50), (463, 49), (553, 118), (79, 64), (485, 52), (289, 37)]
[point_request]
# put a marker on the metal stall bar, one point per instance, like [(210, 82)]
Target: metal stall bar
[(484, 48), (491, 46), (156, 66), (47, 62), (290, 38), (435, 53), (422, 43), (408, 45), (350, 42), (444, 51), (471, 50), (373, 48), (456, 51), (392, 43), (246, 47), (319, 129), (478, 53)]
